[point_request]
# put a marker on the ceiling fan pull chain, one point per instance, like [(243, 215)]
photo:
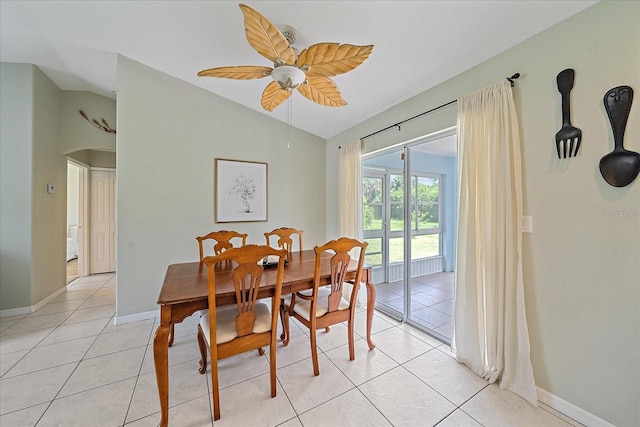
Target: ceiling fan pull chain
[(289, 114)]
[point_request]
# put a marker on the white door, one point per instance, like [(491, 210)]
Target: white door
[(103, 221), (77, 211)]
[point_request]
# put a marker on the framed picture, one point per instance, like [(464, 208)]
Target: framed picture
[(241, 191)]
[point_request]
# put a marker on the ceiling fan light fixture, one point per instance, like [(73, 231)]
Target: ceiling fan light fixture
[(288, 77)]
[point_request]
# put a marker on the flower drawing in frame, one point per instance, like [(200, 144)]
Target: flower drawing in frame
[(241, 191), (243, 187)]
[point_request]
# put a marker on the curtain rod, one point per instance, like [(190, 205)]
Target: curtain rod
[(511, 80)]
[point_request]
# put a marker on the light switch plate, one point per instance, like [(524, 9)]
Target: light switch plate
[(527, 224), (51, 188)]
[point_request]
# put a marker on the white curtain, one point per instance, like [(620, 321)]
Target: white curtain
[(491, 335), (350, 200), (350, 190)]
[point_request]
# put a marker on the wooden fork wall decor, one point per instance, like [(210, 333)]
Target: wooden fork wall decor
[(568, 136)]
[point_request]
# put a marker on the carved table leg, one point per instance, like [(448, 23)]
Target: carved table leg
[(161, 361), (371, 303)]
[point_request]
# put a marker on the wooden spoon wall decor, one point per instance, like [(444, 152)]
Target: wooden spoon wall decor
[(620, 167)]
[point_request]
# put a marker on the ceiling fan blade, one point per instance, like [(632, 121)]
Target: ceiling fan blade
[(330, 59), (323, 91), (274, 96), (265, 37), (248, 72)]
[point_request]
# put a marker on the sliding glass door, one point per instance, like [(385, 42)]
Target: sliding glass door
[(429, 287), (383, 228), (409, 225)]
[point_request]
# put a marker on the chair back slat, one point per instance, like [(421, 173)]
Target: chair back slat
[(245, 321), (246, 279), (339, 266)]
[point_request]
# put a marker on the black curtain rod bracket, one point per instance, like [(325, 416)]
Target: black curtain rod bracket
[(512, 78)]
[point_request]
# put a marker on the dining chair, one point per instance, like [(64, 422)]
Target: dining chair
[(325, 305), (229, 330), (221, 241), (285, 241)]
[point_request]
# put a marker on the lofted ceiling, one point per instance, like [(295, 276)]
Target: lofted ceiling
[(418, 44)]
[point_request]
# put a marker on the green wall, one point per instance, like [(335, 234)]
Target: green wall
[(16, 148), (169, 133), (49, 221), (33, 224), (78, 133), (39, 124)]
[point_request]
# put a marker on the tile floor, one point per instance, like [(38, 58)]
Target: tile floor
[(72, 270), (432, 299), (68, 365)]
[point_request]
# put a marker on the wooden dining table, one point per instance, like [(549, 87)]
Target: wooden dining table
[(185, 291)]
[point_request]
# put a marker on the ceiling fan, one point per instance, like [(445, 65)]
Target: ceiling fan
[(308, 71)]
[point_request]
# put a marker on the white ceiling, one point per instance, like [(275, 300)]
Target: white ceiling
[(418, 44)]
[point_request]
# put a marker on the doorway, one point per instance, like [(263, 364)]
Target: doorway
[(77, 187), (410, 228)]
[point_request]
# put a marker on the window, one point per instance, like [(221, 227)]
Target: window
[(383, 216), (372, 203), (372, 218), (396, 202), (425, 216)]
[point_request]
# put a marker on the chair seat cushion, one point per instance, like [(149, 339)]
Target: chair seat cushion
[(286, 299), (226, 322), (302, 306)]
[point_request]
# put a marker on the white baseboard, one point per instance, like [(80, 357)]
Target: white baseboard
[(121, 320), (15, 311), (27, 310), (571, 410)]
